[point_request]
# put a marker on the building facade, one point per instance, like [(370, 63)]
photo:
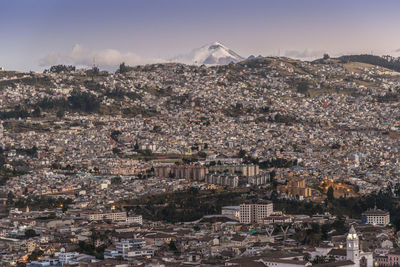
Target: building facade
[(247, 170), (255, 213), (189, 172), (222, 179), (113, 216), (376, 217)]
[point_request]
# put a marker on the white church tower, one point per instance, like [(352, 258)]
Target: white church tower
[(352, 247)]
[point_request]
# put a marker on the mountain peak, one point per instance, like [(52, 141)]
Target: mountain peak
[(210, 54), (216, 45)]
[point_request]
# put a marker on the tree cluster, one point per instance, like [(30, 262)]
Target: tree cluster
[(388, 62), (60, 68)]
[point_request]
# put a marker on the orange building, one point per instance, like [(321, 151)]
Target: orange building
[(339, 189)]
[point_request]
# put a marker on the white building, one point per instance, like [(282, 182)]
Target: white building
[(376, 217), (255, 213), (67, 257), (141, 252), (284, 263), (129, 248), (113, 216), (232, 212), (135, 219)]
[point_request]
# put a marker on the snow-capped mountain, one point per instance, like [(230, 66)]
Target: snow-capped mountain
[(211, 54)]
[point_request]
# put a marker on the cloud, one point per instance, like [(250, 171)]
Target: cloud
[(397, 50), (303, 54), (80, 56)]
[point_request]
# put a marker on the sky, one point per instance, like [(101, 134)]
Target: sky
[(36, 34)]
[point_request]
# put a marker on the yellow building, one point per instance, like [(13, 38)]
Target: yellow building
[(339, 189), (296, 187)]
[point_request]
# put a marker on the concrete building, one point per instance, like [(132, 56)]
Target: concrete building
[(285, 263), (113, 216), (125, 247), (259, 179), (231, 212), (375, 216), (135, 219), (247, 170), (222, 179), (189, 172), (255, 213)]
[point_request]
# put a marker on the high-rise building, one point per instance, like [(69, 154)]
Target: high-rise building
[(247, 170), (255, 212), (190, 172), (222, 179)]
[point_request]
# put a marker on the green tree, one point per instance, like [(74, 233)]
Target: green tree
[(172, 246), (116, 150), (10, 198), (242, 153), (60, 114), (35, 255), (36, 112), (397, 189), (123, 68), (116, 180), (302, 87), (202, 154), (30, 233), (330, 194)]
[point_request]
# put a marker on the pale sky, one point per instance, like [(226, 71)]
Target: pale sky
[(39, 33)]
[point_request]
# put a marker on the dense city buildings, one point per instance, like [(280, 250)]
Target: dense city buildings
[(266, 162)]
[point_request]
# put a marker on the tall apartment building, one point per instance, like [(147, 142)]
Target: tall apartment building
[(190, 172), (222, 179), (247, 170), (255, 212), (259, 179)]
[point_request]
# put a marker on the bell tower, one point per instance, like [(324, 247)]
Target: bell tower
[(352, 247)]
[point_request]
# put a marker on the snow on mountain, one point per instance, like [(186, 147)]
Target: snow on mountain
[(211, 54)]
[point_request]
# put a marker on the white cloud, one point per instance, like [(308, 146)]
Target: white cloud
[(305, 54), (81, 56)]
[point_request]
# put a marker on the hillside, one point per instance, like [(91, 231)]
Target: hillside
[(385, 62)]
